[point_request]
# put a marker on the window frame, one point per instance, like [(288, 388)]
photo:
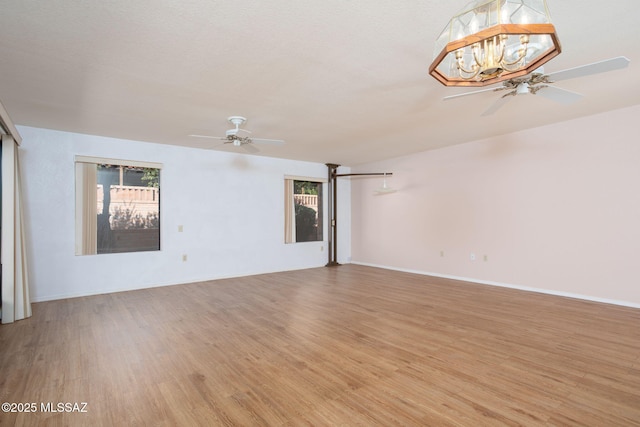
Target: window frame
[(289, 206), (83, 211)]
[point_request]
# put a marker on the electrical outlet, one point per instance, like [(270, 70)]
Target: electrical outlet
[(441, 253), (485, 258), (472, 257), (180, 229), (184, 257)]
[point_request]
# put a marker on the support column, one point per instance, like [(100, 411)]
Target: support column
[(333, 210)]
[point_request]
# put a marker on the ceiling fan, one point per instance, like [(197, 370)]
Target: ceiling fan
[(233, 136), (538, 83)]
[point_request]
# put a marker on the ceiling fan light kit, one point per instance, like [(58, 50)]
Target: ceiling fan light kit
[(490, 41)]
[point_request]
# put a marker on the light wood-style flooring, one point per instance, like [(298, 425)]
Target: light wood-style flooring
[(348, 345)]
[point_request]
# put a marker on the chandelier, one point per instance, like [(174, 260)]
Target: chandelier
[(494, 40)]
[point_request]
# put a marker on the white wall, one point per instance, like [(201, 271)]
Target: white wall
[(235, 229), (555, 209)]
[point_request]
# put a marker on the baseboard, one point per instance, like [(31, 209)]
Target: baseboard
[(504, 285)]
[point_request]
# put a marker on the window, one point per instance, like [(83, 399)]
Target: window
[(117, 206), (303, 210)]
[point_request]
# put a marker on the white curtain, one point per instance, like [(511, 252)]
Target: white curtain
[(86, 209), (289, 212), (16, 303)]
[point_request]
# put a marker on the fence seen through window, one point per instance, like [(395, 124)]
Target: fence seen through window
[(118, 208), (303, 211)]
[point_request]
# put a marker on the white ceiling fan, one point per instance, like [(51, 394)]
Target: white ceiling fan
[(538, 83), (233, 136)]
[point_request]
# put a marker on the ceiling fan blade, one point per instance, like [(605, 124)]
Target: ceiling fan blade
[(208, 136), (589, 69), (497, 104), (446, 98), (268, 141), (556, 94)]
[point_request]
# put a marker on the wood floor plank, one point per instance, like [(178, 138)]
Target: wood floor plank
[(351, 345)]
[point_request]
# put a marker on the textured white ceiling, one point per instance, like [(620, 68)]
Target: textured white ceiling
[(342, 81)]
